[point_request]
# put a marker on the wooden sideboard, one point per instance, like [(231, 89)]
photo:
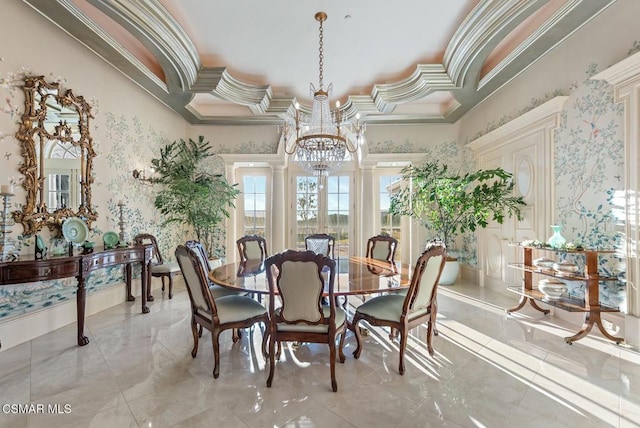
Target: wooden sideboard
[(80, 266)]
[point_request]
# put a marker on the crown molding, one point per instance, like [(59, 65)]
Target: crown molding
[(628, 68), (547, 113)]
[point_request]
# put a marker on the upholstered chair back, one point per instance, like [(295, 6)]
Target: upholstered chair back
[(147, 238), (320, 243), (424, 281), (195, 280), (299, 279), (382, 247), (199, 250), (300, 286), (252, 247)]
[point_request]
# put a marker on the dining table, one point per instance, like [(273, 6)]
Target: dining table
[(354, 276)]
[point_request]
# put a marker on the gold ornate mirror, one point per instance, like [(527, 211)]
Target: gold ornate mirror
[(58, 156)]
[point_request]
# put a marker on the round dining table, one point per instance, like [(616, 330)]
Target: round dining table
[(354, 276)]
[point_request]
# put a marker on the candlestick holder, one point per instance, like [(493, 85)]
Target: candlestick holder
[(7, 246), (121, 235)]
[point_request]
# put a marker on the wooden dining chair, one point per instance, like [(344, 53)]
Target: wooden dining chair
[(215, 289), (252, 247), (321, 243), (297, 280), (382, 247), (159, 268), (403, 312), (216, 315), (203, 257)]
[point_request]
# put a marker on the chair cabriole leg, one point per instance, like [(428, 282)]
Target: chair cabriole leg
[(272, 358), (356, 330), (194, 331), (265, 338), (332, 359), (431, 331), (403, 346), (215, 334)]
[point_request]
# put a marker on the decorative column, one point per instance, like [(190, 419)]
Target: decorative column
[(625, 78), (368, 206), (231, 223), (278, 205)]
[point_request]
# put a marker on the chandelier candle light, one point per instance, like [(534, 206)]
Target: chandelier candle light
[(321, 147)]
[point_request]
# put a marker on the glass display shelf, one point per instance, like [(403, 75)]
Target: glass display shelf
[(589, 305)]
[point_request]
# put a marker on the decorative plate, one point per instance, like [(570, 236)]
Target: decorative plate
[(74, 229), (110, 239)]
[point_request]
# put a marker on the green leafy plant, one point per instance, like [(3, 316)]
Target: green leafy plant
[(449, 203), (191, 194)]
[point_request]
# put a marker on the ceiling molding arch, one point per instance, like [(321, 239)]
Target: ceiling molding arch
[(480, 32), (159, 32)]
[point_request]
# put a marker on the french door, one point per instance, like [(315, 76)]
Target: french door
[(323, 206)]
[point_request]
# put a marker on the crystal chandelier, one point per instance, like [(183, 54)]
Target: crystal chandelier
[(320, 146)]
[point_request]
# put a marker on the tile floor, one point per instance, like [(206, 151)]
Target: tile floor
[(490, 370)]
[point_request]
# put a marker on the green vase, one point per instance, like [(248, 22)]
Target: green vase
[(556, 240)]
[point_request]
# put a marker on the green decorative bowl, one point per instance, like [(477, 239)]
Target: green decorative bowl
[(110, 240)]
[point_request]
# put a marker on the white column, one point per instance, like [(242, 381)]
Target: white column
[(230, 239), (625, 76), (367, 214), (279, 212)]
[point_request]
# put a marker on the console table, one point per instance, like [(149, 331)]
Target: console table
[(590, 305), (80, 266)]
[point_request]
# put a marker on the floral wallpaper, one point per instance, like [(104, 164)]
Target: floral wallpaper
[(589, 162), (448, 151), (263, 147)]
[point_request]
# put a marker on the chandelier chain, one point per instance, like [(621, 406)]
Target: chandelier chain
[(321, 55)]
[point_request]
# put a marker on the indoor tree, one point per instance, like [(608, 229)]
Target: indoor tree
[(449, 202), (192, 194)]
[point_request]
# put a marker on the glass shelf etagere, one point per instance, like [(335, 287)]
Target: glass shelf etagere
[(590, 275)]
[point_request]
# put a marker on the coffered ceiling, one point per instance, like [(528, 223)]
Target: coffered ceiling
[(247, 62)]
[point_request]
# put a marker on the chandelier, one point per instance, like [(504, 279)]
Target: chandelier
[(320, 146)]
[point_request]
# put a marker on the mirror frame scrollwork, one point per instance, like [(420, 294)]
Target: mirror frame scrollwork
[(32, 133)]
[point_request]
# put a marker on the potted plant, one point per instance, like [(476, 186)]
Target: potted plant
[(192, 194), (449, 203)]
